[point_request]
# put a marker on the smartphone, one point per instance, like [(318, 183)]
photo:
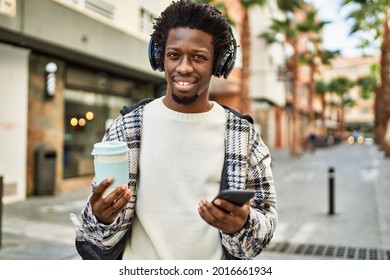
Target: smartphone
[(235, 196)]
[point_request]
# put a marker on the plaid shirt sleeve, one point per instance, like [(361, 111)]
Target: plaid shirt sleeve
[(124, 128), (251, 170)]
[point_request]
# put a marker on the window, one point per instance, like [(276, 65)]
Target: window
[(146, 21), (105, 8), (87, 116), (8, 7)]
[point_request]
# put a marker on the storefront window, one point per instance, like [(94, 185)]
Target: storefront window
[(87, 116)]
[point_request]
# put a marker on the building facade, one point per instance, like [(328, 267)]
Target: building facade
[(68, 66), (360, 116), (66, 69)]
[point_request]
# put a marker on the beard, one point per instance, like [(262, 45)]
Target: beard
[(185, 100)]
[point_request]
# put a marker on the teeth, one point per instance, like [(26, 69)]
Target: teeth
[(183, 83)]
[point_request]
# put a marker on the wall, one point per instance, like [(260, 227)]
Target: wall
[(13, 121), (265, 60), (45, 119)]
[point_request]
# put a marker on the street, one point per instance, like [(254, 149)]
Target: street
[(359, 227)]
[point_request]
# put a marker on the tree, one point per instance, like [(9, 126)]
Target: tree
[(245, 41), (341, 86), (371, 18), (292, 27), (245, 38), (369, 88), (322, 88), (314, 56)]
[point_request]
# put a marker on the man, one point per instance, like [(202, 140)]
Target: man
[(180, 145)]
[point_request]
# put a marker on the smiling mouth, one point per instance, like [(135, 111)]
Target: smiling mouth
[(184, 85)]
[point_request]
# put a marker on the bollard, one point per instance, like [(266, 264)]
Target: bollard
[(331, 175), (1, 207)]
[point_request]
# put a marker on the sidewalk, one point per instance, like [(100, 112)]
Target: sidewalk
[(40, 228), (360, 227)]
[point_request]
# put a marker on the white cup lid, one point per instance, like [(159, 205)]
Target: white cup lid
[(109, 148)]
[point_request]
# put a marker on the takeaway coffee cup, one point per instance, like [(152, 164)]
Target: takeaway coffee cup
[(111, 160)]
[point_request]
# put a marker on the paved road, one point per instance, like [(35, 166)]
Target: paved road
[(39, 228)]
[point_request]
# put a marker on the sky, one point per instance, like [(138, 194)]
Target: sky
[(335, 34)]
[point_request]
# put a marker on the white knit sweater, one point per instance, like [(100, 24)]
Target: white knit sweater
[(181, 161)]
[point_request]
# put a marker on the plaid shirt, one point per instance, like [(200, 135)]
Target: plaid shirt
[(247, 166)]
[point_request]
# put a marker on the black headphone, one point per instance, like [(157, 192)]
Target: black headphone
[(223, 66)]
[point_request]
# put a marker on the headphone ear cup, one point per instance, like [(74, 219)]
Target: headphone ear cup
[(220, 65), (159, 58), (229, 65), (155, 56), (225, 63)]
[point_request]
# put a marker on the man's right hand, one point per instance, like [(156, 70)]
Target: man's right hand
[(107, 209)]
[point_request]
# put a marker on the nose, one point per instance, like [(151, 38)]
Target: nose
[(185, 65)]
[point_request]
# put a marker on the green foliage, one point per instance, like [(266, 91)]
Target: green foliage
[(326, 56), (289, 5), (367, 17), (311, 23), (340, 85), (368, 83), (321, 87), (367, 86), (283, 27), (221, 6), (286, 26), (347, 101)]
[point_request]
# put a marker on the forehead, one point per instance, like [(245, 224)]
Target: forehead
[(185, 37)]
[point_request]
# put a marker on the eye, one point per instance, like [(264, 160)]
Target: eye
[(200, 57), (172, 55)]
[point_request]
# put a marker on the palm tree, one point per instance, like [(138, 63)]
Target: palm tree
[(314, 56), (369, 88), (373, 16), (322, 88), (290, 31), (341, 86), (293, 28), (314, 59), (245, 44), (244, 29)]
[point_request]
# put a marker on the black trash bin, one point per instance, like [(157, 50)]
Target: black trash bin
[(45, 171)]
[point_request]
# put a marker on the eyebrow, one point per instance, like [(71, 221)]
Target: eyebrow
[(193, 50)]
